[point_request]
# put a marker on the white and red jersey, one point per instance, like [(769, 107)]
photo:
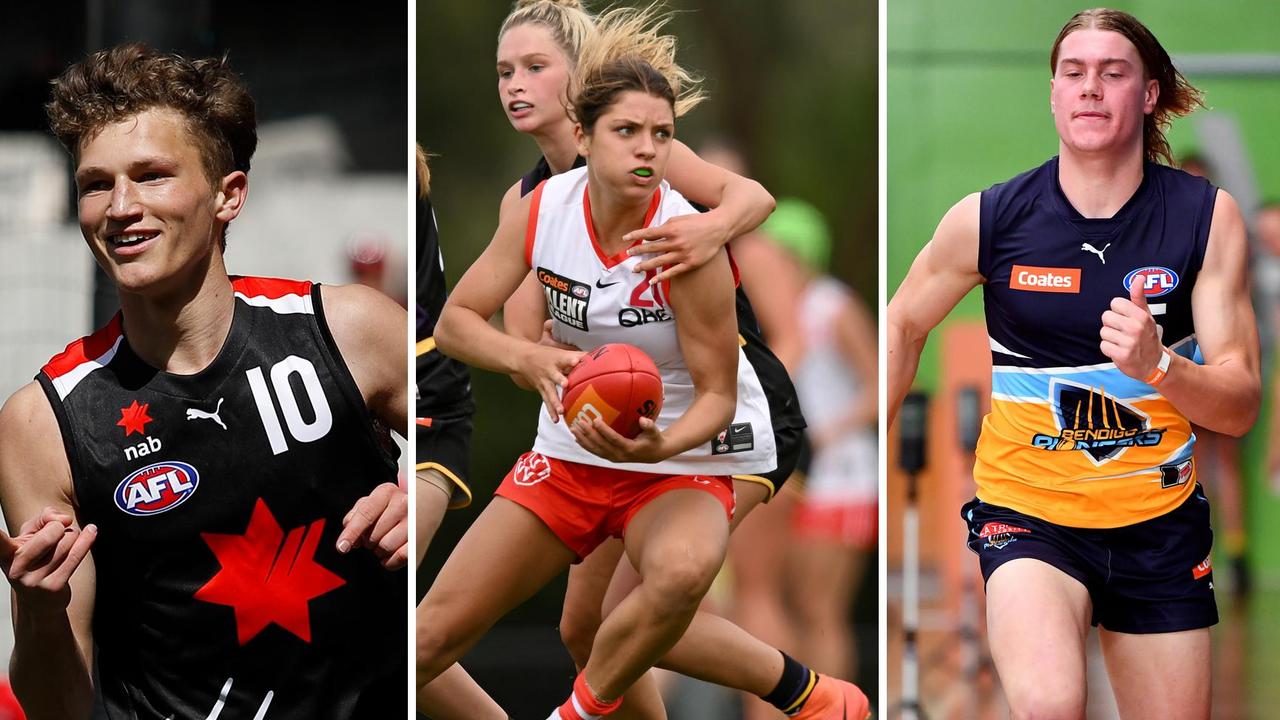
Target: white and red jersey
[(596, 299), (844, 469)]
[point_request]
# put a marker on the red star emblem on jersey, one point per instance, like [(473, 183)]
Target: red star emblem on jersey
[(134, 419), (268, 576)]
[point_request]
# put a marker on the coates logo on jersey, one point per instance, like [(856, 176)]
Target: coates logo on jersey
[(157, 488), (1156, 280)]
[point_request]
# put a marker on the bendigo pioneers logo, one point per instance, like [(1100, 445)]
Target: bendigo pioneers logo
[(1095, 423), (567, 299)]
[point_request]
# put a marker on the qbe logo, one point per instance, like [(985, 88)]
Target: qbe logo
[(1156, 280), (157, 488)]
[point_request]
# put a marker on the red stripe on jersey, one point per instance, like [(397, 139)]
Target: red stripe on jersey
[(90, 347), (272, 288), (610, 261), (733, 265), (531, 230)]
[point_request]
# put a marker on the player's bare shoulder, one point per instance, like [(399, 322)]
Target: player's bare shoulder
[(33, 464), (371, 332)]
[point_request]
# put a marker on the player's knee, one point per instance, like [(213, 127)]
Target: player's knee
[(578, 633), (439, 645), (433, 646), (682, 578), (1046, 703)]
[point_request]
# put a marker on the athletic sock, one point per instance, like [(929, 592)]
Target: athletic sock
[(794, 688), (583, 704)]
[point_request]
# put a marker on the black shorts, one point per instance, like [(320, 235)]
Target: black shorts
[(445, 445), (793, 454), (1151, 577)]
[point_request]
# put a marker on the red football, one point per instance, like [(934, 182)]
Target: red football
[(617, 383)]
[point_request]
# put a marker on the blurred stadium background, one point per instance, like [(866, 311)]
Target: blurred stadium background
[(793, 87), (968, 107), (329, 192)]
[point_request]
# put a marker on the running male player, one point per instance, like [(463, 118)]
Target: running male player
[(1118, 308), (221, 446)]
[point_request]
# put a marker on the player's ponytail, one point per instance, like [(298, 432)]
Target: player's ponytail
[(424, 173), (628, 51)]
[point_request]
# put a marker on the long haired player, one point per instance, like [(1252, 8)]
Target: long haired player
[(666, 493), (1118, 310), (539, 53)]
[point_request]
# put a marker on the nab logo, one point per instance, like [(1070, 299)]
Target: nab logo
[(1156, 280), (157, 488), (142, 449)]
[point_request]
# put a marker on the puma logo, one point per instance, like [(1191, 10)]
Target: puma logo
[(1089, 248), (194, 414)]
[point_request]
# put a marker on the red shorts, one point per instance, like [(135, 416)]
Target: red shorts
[(854, 524), (584, 504)]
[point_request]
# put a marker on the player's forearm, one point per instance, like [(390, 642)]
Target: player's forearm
[(1223, 398), (464, 335), (743, 207), (710, 412), (49, 674), (902, 351)]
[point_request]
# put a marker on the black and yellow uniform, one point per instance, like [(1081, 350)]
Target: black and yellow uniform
[(444, 405)]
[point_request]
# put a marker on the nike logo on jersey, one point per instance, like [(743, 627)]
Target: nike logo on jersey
[(1089, 248), (605, 285), (194, 414)]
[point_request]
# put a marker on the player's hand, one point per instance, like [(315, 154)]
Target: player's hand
[(598, 438), (39, 562), (380, 522), (548, 339), (678, 245), (546, 369), (1130, 336)]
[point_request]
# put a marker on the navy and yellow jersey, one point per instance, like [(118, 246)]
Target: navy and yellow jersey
[(1070, 438), (444, 404)]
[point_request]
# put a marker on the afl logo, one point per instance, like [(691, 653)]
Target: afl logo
[(157, 488), (1156, 280), (580, 291)]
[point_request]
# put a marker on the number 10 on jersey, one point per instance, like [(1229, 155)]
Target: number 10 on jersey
[(299, 429)]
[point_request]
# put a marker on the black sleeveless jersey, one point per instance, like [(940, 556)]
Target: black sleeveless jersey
[(444, 384), (784, 407), (219, 498)]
